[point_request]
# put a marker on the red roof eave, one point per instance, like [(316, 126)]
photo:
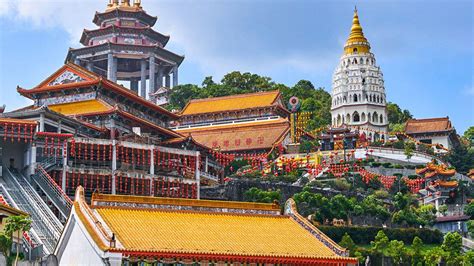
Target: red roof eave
[(275, 259)]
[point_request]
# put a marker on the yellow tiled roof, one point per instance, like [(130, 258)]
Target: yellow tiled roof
[(214, 233), (230, 103), (79, 108)]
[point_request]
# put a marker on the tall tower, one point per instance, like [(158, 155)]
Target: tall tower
[(126, 48), (358, 92)]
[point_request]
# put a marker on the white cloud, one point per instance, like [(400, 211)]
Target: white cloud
[(198, 31)]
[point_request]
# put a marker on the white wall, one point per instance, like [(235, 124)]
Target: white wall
[(76, 247)]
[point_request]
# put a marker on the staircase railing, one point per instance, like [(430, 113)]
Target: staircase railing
[(45, 223), (52, 191)]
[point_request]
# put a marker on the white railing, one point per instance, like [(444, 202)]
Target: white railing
[(468, 243), (209, 176)]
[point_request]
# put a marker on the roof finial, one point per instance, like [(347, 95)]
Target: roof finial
[(125, 3), (355, 8), (137, 3)]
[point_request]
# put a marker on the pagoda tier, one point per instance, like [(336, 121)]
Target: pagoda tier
[(76, 92), (147, 36), (126, 48), (135, 13)]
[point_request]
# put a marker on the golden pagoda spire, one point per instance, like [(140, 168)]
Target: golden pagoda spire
[(356, 43)]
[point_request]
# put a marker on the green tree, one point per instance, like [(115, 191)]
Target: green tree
[(380, 246), (461, 157), (5, 245), (409, 148), (416, 247), (18, 224), (443, 209), (402, 201), (397, 251), (469, 134), (257, 195), (433, 256), (452, 246), (469, 209), (470, 227), (347, 242)]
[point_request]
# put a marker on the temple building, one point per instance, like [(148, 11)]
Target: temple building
[(126, 230), (358, 92), (437, 131), (243, 123), (125, 48), (85, 129)]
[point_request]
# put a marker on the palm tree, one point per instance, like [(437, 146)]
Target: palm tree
[(18, 224)]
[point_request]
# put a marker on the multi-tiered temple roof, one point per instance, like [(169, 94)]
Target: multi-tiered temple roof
[(125, 47)]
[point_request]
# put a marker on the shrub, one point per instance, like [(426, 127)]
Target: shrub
[(409, 166), (398, 166), (387, 165), (363, 235), (375, 164), (419, 166)]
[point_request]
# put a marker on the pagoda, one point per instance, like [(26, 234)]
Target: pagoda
[(358, 91), (125, 47)]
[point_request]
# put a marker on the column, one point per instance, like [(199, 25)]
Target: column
[(143, 79), (152, 170), (59, 126), (167, 81), (134, 85), (41, 123), (198, 176), (110, 65), (32, 165), (175, 76), (152, 160), (76, 61), (114, 69), (207, 164), (90, 65), (151, 79), (159, 78), (63, 179), (114, 165)]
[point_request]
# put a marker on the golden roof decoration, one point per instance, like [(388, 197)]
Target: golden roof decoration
[(356, 43)]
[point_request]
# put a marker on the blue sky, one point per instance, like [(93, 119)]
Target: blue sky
[(424, 48)]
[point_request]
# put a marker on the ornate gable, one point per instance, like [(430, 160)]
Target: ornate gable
[(68, 74), (65, 78)]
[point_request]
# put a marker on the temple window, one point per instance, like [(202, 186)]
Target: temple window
[(355, 117), (354, 50), (363, 117), (381, 119), (355, 98)]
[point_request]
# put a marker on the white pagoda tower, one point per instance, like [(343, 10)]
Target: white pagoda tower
[(358, 92)]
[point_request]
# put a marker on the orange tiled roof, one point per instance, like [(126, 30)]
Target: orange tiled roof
[(80, 108), (428, 125), (247, 136), (165, 231), (230, 103)]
